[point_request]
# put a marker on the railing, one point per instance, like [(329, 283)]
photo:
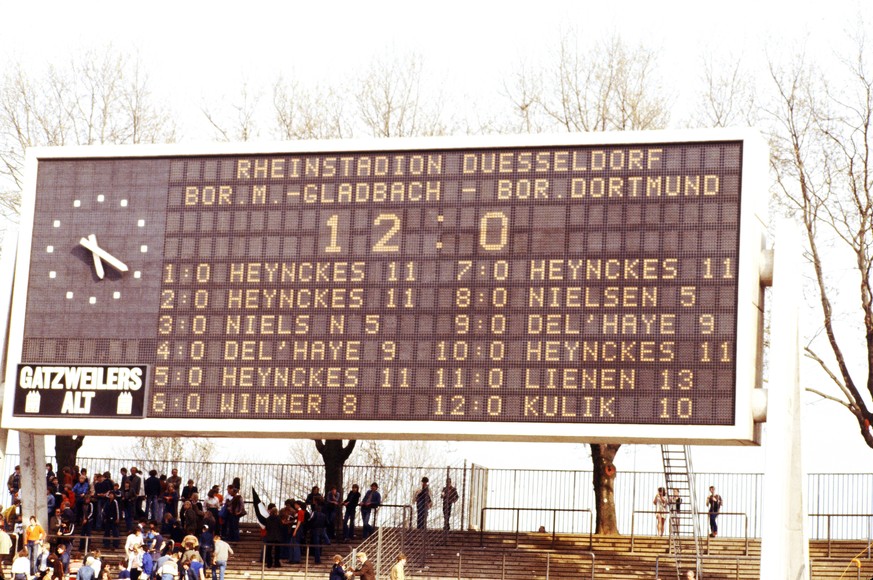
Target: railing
[(828, 528), (70, 540), (735, 559), (304, 557), (745, 527), (554, 512), (854, 561), (842, 493), (504, 553), (388, 540)]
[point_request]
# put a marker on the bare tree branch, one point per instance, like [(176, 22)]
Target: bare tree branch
[(821, 160)]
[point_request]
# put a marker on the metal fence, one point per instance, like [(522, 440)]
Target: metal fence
[(844, 494)]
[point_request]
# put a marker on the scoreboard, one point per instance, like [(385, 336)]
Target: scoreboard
[(582, 287)]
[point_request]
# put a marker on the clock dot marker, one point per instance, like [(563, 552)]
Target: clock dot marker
[(101, 198), (137, 274), (77, 203), (56, 223), (53, 274), (123, 203), (143, 248), (140, 223), (116, 295), (50, 250), (69, 295), (92, 300)]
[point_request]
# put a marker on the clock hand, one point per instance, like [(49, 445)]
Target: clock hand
[(99, 254), (98, 263)]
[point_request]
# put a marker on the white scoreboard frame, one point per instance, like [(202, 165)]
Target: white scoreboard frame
[(744, 431)]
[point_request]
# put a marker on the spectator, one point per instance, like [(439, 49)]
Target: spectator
[(223, 552), (13, 484), (169, 570), (103, 485), (34, 535), (212, 504), (175, 479), (235, 505), (170, 496), (351, 504), (152, 488), (85, 572), (336, 571), (80, 489), (21, 566), (365, 568), (423, 501), (127, 501), (124, 570), (331, 505), (50, 503), (49, 474), (272, 538), (5, 547), (42, 560), (449, 495), (111, 515), (56, 562), (136, 485), (317, 532), (135, 561), (207, 545), (86, 519), (314, 498), (372, 500), (189, 490), (713, 503), (675, 504), (660, 503), (297, 532), (398, 570)]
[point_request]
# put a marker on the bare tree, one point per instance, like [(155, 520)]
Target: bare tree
[(317, 113), (99, 98), (164, 453), (821, 157), (728, 98), (610, 87), (238, 120), (613, 86), (392, 99)]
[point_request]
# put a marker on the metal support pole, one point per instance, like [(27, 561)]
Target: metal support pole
[(784, 539)]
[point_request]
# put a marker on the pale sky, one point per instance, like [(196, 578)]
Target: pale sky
[(200, 51)]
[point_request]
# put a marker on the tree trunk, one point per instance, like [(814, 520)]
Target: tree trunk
[(335, 456), (66, 448), (602, 456)]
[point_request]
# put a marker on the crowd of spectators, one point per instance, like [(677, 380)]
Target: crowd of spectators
[(163, 514), (170, 524)]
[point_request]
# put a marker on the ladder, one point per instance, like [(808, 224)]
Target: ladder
[(684, 523)]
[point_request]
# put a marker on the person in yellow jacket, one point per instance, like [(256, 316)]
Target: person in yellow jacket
[(398, 570)]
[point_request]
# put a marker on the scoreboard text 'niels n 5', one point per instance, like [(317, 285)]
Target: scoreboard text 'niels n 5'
[(583, 287)]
